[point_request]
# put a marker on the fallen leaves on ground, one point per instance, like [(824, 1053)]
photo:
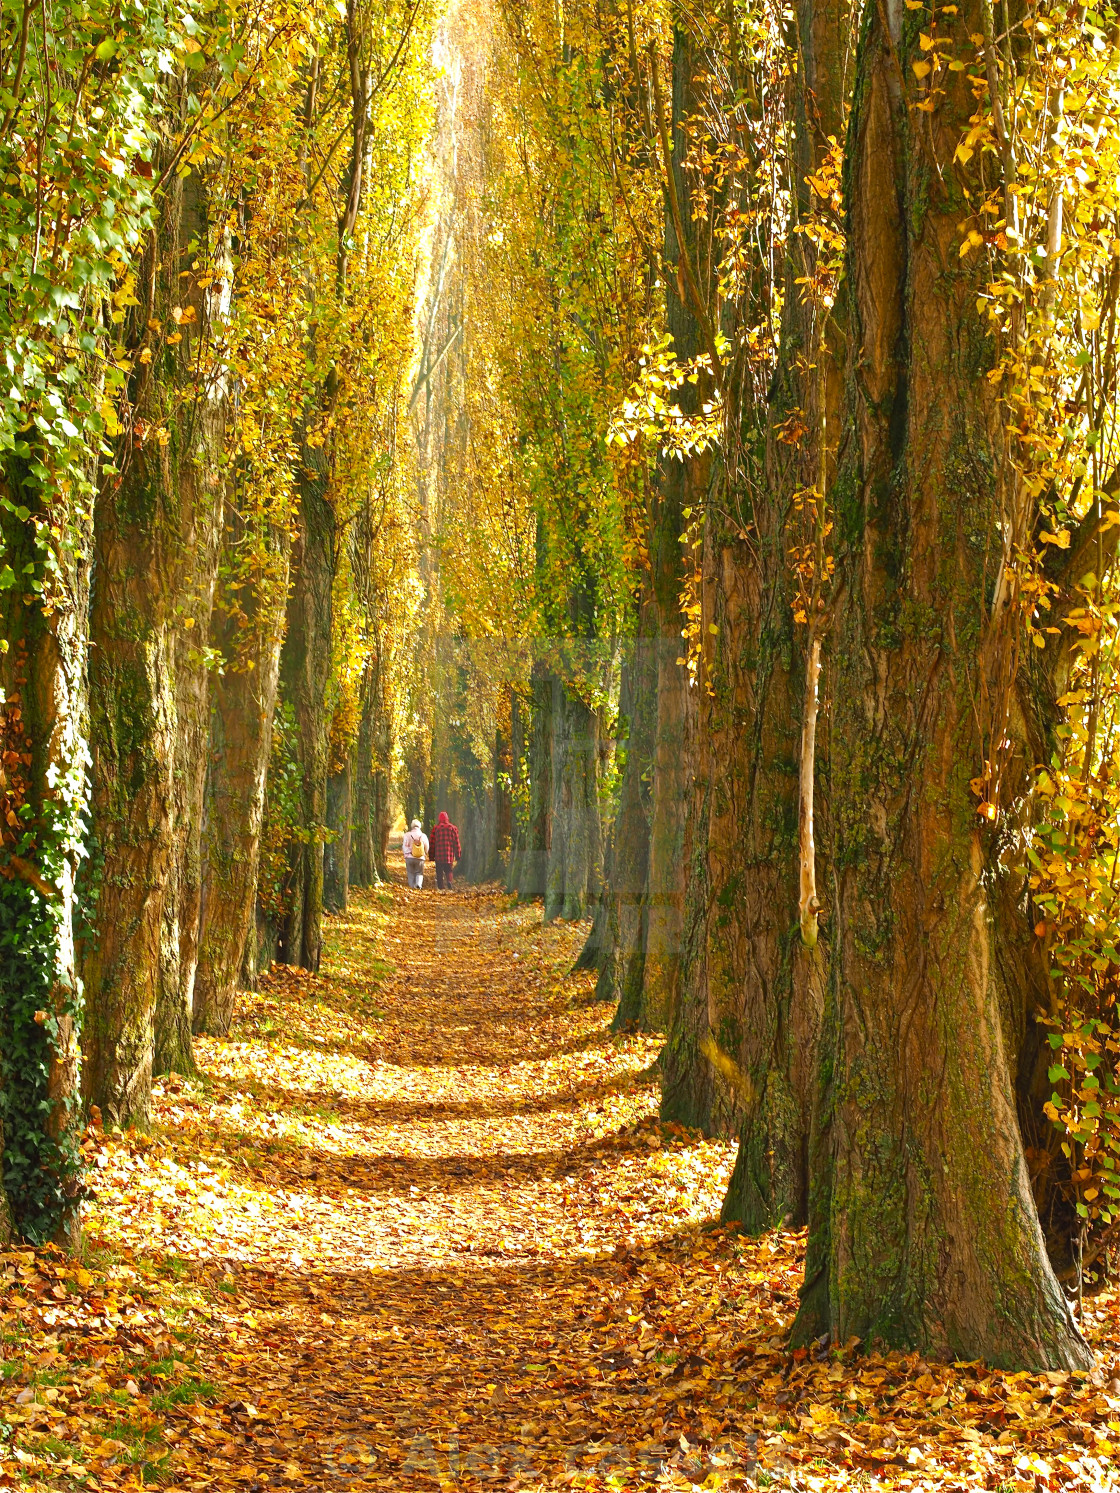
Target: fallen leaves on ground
[(415, 1224)]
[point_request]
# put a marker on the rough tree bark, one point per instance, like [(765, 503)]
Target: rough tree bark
[(244, 700), (246, 630), (748, 973), (145, 526), (764, 985), (923, 1230), (183, 895)]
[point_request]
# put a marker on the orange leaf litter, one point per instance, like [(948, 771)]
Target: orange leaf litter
[(415, 1225)]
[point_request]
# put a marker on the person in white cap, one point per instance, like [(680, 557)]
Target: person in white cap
[(415, 847)]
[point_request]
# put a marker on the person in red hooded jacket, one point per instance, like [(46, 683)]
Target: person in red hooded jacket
[(445, 850)]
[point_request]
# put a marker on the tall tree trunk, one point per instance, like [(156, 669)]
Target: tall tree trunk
[(680, 486), (42, 797), (622, 962), (923, 1230), (363, 855), (694, 1082), (373, 756), (381, 816), (244, 701), (754, 971), (537, 838), (741, 1052), (670, 836), (764, 986), (519, 791), (503, 807), (336, 855), (146, 523), (471, 809), (304, 674), (183, 897), (382, 821)]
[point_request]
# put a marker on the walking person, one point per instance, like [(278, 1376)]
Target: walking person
[(415, 847), (446, 850)]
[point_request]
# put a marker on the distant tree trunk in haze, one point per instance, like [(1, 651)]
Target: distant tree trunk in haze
[(471, 808), (364, 868), (382, 822), (622, 962), (147, 525), (536, 837), (336, 854), (503, 806), (574, 851), (923, 1229), (519, 791), (305, 666), (381, 816), (373, 757)]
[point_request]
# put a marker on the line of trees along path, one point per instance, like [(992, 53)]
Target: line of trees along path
[(679, 441)]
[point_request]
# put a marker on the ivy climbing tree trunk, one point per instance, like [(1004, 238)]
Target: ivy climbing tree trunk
[(42, 796), (147, 523), (924, 1231)]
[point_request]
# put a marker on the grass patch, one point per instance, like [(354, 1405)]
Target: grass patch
[(187, 1393)]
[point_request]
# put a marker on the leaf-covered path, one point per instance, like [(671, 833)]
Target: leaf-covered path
[(445, 1191), (414, 1224)]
